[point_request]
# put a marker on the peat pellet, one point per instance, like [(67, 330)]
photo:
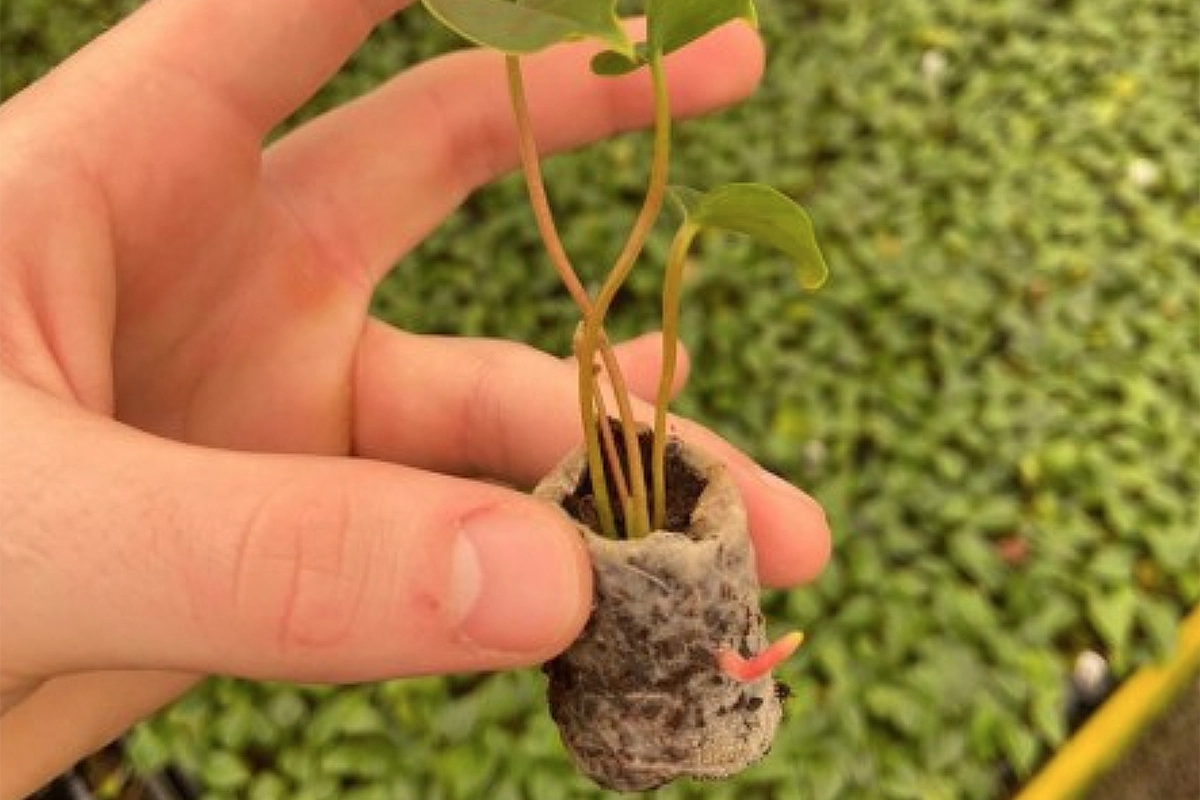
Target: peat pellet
[(639, 699)]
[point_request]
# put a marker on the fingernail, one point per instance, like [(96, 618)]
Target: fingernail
[(516, 581)]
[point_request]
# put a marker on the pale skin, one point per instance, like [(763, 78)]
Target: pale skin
[(213, 460)]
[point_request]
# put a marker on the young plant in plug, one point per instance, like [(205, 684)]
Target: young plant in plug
[(671, 676)]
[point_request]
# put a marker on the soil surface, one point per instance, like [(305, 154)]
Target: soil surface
[(1165, 763), (684, 485)]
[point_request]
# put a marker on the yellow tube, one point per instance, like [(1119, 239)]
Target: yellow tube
[(1104, 737)]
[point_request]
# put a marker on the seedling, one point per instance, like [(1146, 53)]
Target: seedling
[(622, 489)]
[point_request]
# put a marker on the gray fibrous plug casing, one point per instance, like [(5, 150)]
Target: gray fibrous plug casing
[(639, 699)]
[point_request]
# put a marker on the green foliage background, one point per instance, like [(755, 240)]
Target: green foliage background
[(1007, 356)]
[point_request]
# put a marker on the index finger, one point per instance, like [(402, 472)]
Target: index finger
[(259, 59), (174, 103)]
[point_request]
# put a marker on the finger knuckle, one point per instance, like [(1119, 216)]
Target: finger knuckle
[(299, 574), (486, 402)]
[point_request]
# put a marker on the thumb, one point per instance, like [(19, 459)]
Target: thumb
[(122, 550)]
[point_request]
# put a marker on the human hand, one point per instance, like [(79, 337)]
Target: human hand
[(213, 461)]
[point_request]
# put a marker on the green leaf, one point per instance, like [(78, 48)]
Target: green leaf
[(240, 725), (225, 770), (762, 213), (268, 786), (1175, 548), (348, 714), (367, 759), (977, 559), (1112, 612), (286, 708), (610, 62), (1159, 620), (146, 749), (673, 25), (1112, 565), (532, 25), (895, 705), (1022, 748)]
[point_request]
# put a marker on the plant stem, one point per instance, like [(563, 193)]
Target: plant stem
[(655, 190), (595, 459), (544, 216), (672, 289), (594, 322), (612, 454), (597, 433), (531, 169)]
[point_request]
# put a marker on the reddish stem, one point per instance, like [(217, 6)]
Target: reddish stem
[(748, 670)]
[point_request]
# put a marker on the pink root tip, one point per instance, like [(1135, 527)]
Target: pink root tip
[(750, 669)]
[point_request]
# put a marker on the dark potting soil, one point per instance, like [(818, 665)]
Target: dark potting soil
[(1165, 762), (684, 485)]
